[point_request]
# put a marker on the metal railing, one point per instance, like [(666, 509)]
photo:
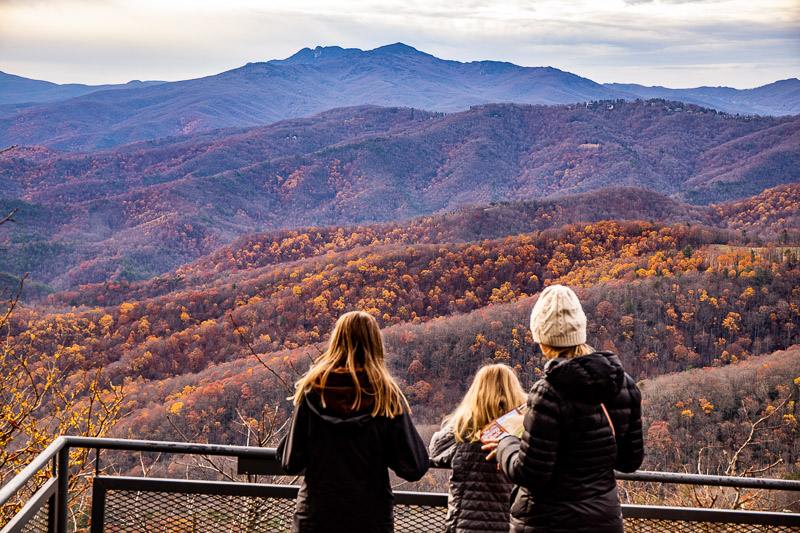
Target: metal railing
[(147, 505)]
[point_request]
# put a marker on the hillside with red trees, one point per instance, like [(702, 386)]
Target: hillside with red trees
[(777, 207), (138, 211), (694, 296)]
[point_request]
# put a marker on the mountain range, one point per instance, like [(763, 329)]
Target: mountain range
[(19, 90), (132, 181), (139, 210), (312, 81), (184, 244)]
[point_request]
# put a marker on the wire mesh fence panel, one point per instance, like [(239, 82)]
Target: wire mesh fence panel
[(26, 493), (643, 525), (416, 518), (152, 512), (38, 522), (132, 511), (36, 515)]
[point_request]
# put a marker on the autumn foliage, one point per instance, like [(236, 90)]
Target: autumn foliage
[(678, 300)]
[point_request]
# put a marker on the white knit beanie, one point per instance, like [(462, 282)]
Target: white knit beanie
[(557, 318)]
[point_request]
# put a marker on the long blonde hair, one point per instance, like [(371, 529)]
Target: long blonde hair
[(495, 390), (356, 344)]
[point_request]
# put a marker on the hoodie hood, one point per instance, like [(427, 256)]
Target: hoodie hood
[(340, 393), (593, 378)]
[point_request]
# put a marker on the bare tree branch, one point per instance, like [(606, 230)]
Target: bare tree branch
[(250, 347), (9, 217), (213, 466), (733, 462)]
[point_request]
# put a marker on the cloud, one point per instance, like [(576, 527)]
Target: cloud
[(103, 40), (674, 1)]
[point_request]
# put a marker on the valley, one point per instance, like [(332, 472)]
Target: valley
[(173, 255)]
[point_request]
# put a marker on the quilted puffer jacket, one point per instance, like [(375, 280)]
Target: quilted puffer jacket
[(478, 499), (564, 464)]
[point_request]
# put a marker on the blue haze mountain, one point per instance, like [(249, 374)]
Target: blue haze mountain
[(778, 98), (19, 90), (310, 82)]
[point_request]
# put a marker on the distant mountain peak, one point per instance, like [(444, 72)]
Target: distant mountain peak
[(401, 49), (324, 54), (398, 48), (320, 54), (788, 81)]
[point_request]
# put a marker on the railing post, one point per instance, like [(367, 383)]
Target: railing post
[(51, 513), (98, 506), (62, 494), (51, 502)]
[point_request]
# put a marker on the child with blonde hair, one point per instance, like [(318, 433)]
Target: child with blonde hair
[(350, 425), (479, 492)]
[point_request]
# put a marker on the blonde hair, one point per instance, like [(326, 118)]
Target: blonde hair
[(565, 352), (356, 344), (495, 390)]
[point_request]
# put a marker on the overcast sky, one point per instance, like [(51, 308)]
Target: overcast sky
[(674, 43)]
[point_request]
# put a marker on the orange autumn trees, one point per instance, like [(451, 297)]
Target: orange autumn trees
[(451, 292), (46, 391), (290, 303)]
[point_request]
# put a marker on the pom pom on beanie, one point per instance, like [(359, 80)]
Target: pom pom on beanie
[(557, 318)]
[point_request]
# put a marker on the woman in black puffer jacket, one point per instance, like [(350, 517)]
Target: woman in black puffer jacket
[(583, 421)]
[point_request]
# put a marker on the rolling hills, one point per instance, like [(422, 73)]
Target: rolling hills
[(140, 210), (688, 289)]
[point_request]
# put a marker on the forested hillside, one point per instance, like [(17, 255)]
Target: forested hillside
[(691, 415), (782, 96), (141, 210), (209, 351)]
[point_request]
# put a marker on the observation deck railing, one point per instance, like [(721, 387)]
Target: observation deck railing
[(147, 505)]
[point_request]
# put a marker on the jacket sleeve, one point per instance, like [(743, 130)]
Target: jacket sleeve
[(293, 449), (628, 422), (529, 461), (442, 447), (407, 455)]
